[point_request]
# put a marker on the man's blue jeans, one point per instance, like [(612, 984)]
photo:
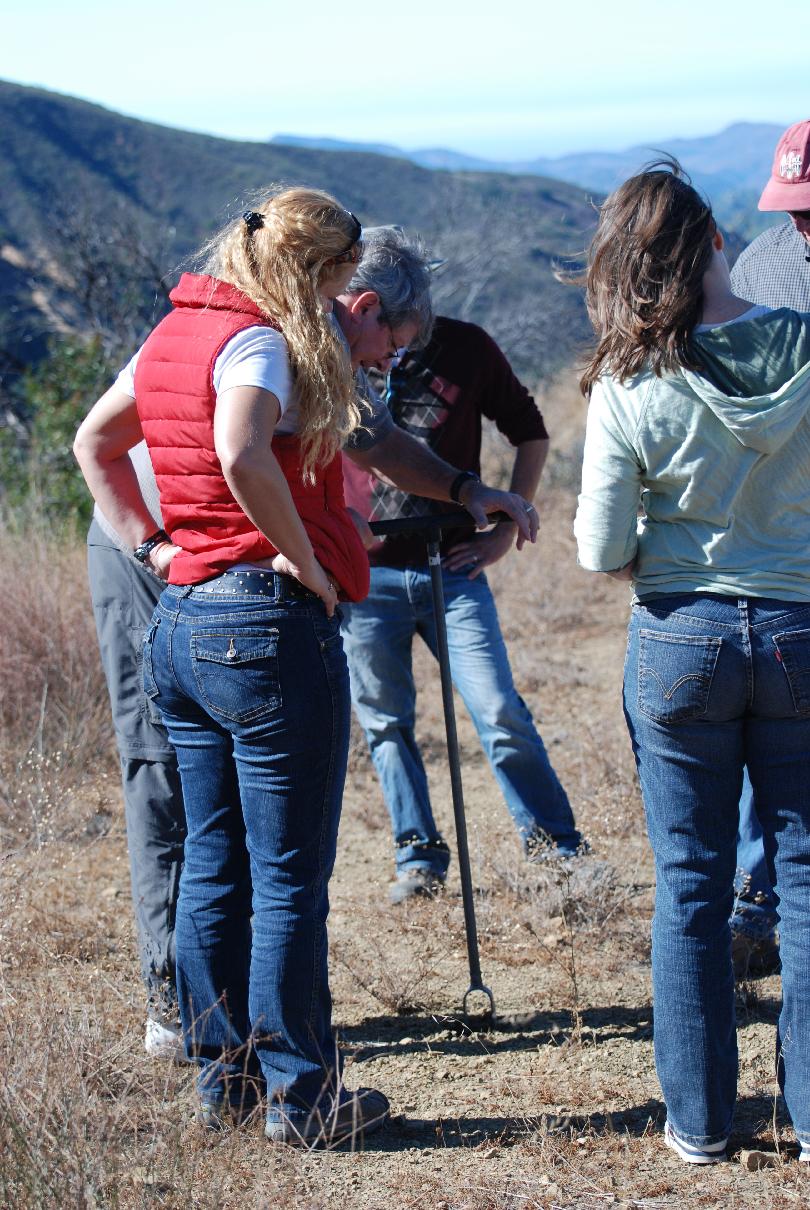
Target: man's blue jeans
[(755, 905), (378, 635), (254, 692), (713, 684)]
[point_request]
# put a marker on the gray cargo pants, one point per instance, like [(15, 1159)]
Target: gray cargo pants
[(124, 596)]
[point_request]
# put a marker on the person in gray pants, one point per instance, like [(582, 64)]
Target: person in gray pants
[(124, 594)]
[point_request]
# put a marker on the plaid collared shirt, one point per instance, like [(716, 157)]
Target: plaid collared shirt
[(774, 270)]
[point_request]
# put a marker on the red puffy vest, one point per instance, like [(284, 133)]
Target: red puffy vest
[(175, 399)]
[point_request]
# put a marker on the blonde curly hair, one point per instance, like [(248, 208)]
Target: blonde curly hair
[(280, 254)]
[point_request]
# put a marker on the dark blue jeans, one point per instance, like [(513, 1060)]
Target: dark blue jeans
[(712, 685), (254, 691), (378, 634)]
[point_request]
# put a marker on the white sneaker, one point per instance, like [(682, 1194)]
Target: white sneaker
[(709, 1153), (164, 1041)]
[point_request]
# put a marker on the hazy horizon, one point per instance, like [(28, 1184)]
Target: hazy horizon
[(536, 82), (436, 145)]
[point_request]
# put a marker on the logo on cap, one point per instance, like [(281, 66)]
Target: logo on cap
[(790, 165)]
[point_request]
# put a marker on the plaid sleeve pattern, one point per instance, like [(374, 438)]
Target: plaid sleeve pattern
[(774, 270)]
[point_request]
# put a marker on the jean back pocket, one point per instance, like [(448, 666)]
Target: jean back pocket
[(793, 652), (143, 641), (237, 672), (675, 675)]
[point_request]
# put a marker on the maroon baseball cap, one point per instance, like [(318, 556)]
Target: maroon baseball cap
[(789, 186)]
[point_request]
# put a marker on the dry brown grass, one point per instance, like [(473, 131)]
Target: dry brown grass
[(556, 1107), (55, 730)]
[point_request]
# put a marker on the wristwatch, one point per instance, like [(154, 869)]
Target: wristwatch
[(142, 552), (461, 478)]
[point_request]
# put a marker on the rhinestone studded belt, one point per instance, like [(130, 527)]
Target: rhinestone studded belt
[(256, 583)]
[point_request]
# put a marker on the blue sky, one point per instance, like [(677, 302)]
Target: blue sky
[(503, 79)]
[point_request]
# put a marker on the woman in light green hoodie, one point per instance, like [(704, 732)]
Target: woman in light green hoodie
[(696, 487)]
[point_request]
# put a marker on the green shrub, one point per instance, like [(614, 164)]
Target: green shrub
[(37, 468)]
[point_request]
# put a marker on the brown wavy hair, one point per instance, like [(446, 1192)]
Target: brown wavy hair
[(644, 280), (292, 244)]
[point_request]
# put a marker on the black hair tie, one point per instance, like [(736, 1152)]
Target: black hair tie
[(253, 220)]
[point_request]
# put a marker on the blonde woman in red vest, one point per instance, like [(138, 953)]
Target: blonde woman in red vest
[(243, 657)]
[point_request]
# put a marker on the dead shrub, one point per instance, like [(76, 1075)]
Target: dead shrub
[(66, 1119), (55, 728), (585, 890), (400, 984)]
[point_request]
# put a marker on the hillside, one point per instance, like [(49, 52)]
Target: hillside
[(97, 211)]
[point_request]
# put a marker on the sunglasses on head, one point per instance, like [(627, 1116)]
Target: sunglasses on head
[(352, 254)]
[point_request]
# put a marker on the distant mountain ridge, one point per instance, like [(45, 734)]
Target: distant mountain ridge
[(425, 157), (731, 167), (98, 212)]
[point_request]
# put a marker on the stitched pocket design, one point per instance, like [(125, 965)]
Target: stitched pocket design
[(237, 672), (793, 650), (147, 675), (675, 675)]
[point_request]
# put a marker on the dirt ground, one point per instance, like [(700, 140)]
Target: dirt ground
[(557, 1106)]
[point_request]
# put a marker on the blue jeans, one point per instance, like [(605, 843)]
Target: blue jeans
[(254, 691), (378, 635), (755, 905), (711, 685)]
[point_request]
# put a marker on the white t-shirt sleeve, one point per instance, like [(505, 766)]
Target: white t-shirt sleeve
[(126, 379), (254, 357)]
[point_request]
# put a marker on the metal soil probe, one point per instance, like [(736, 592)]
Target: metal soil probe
[(431, 528)]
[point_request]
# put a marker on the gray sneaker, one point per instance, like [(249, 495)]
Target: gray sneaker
[(349, 1120), (416, 880)]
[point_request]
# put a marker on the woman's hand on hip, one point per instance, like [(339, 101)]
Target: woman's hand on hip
[(159, 559), (312, 577)]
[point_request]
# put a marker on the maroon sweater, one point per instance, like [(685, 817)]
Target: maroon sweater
[(439, 395)]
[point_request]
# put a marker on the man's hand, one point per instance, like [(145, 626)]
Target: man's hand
[(478, 499), (481, 551), (400, 459)]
